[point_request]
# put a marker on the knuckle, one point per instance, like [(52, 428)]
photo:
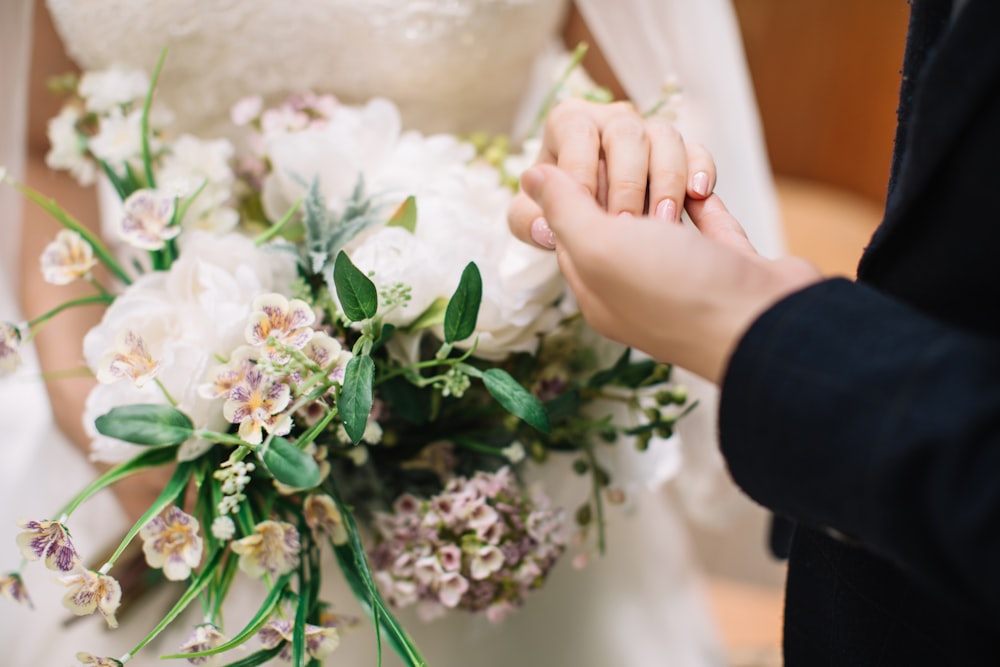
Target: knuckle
[(625, 128)]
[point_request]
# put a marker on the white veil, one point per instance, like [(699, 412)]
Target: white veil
[(647, 42), (15, 51)]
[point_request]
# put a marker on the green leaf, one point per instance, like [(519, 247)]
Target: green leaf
[(463, 308), (147, 459), (289, 465), (409, 403), (564, 406), (516, 399), (357, 571), (267, 608), (256, 659), (146, 424), (605, 377), (357, 294), (405, 216), (355, 401)]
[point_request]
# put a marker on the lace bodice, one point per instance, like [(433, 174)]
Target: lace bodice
[(451, 65)]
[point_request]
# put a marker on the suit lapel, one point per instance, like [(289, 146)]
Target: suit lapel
[(949, 91)]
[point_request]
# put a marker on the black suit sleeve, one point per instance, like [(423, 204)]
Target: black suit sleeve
[(844, 408)]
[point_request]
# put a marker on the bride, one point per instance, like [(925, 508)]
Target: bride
[(454, 66)]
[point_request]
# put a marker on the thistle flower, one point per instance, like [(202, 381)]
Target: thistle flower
[(320, 641), (147, 220), (128, 359), (272, 549), (256, 403), (49, 540), (91, 591), (67, 258), (204, 638), (10, 342), (324, 518), (12, 588), (171, 541), (277, 324)]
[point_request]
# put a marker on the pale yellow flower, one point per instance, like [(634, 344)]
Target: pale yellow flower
[(10, 343), (171, 541), (272, 549), (324, 519), (204, 638), (94, 661), (91, 591), (256, 402), (67, 258), (278, 324), (147, 220), (320, 641), (129, 359)]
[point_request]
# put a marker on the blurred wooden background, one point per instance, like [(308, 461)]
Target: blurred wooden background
[(827, 76)]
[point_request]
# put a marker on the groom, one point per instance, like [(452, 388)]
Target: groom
[(868, 411)]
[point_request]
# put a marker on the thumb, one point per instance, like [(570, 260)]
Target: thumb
[(715, 221), (565, 204)]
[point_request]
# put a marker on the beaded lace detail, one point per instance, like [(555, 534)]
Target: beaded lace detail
[(450, 65)]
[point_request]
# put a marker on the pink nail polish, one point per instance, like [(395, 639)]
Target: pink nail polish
[(542, 234), (666, 210), (700, 183)]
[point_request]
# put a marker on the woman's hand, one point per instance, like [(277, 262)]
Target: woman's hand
[(627, 163), (682, 295)]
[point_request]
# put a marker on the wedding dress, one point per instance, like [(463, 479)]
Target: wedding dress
[(450, 65)]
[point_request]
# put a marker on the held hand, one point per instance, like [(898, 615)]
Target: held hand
[(628, 163), (683, 296)]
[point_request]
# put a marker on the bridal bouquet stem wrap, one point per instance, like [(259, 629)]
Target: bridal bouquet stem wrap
[(335, 342)]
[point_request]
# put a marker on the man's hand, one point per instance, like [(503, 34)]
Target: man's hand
[(681, 295)]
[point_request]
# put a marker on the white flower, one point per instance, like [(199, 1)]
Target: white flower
[(246, 110), (67, 258), (68, 149), (10, 345), (189, 164), (223, 528), (107, 89), (130, 358), (119, 139), (191, 314)]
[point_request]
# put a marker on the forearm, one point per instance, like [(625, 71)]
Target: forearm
[(58, 342), (844, 408)]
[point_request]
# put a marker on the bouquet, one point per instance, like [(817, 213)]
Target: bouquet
[(337, 344)]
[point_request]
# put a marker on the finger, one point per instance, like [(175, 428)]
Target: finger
[(573, 142), (668, 170), (714, 221), (626, 150), (524, 217), (701, 171), (566, 205)]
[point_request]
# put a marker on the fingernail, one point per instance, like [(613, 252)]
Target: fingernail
[(542, 234), (666, 210), (625, 214), (700, 184)]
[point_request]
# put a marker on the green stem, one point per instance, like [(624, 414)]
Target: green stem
[(598, 502), (550, 99), (82, 301), (276, 229), (166, 394), (147, 158), (69, 222)]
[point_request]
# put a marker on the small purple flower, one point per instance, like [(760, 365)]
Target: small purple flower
[(12, 588), (171, 542), (10, 343), (273, 549), (93, 591), (277, 324), (204, 638), (321, 641), (146, 223), (257, 403), (49, 540), (94, 661)]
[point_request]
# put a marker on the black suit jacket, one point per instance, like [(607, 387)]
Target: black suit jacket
[(869, 411)]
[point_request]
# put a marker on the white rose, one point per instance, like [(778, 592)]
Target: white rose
[(337, 154), (187, 315), (188, 163)]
